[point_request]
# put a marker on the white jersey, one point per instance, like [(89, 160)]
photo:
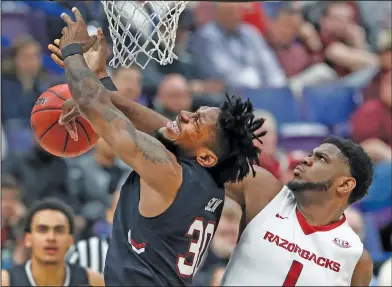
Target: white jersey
[(279, 248)]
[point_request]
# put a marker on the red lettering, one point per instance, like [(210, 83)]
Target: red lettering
[(313, 257), (297, 249), (268, 235), (284, 243), (276, 240), (328, 264), (321, 261), (336, 267), (305, 254)]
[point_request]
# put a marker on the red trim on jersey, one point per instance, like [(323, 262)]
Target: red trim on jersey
[(309, 229), (138, 245)]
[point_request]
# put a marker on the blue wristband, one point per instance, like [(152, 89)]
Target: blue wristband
[(71, 49)]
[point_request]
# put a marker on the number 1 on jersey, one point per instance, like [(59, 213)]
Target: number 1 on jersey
[(293, 274)]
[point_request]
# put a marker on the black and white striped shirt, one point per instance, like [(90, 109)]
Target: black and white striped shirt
[(89, 253)]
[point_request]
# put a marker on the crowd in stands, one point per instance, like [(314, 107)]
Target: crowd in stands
[(311, 68)]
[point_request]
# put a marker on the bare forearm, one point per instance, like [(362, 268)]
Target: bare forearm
[(144, 119), (84, 85)]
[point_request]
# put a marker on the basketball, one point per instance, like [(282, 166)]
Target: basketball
[(53, 137)]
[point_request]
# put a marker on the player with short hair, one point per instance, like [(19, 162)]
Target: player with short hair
[(171, 204), (298, 234), (48, 232), (336, 174)]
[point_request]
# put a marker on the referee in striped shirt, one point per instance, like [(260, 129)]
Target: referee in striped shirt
[(91, 252)]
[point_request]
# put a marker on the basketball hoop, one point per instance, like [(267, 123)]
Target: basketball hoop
[(143, 30)]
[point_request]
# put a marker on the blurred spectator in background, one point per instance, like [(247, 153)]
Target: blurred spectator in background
[(129, 82), (101, 172), (270, 156), (255, 15), (91, 252), (384, 49), (375, 135), (376, 16), (292, 38), (12, 214), (185, 65), (41, 174), (344, 41), (21, 82), (221, 247), (235, 52), (173, 96)]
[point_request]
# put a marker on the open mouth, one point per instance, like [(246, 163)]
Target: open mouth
[(174, 127)]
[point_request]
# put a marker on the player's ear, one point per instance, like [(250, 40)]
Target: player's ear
[(71, 240), (27, 240), (346, 185), (206, 157)]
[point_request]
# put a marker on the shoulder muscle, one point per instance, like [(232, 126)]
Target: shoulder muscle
[(254, 192), (363, 272)]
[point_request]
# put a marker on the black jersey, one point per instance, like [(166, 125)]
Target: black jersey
[(165, 250), (20, 275)]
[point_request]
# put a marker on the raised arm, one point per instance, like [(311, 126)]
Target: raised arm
[(146, 155), (144, 119), (254, 193)]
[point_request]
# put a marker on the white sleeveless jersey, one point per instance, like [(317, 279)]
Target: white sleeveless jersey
[(279, 248)]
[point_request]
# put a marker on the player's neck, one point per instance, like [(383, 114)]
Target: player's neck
[(48, 275), (318, 213)]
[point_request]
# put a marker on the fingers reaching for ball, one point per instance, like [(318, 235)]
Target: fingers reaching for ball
[(56, 53)]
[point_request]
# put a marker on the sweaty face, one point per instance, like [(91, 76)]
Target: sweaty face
[(190, 133), (50, 237), (319, 171)]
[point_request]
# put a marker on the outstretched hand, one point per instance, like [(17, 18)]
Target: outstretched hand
[(95, 57), (76, 32)]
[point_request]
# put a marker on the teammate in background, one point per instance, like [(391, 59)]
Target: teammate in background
[(48, 232), (301, 227), (171, 204)]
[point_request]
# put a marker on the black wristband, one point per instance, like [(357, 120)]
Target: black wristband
[(108, 84), (71, 49)]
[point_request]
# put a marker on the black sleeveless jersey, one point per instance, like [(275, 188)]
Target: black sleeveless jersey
[(165, 250), (20, 275)]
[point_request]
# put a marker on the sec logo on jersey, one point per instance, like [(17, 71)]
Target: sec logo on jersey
[(341, 243)]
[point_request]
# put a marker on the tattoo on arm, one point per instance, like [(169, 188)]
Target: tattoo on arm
[(150, 147), (83, 83), (86, 88)]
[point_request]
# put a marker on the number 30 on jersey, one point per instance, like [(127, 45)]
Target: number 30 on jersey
[(197, 247)]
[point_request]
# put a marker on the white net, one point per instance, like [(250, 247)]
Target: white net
[(143, 30)]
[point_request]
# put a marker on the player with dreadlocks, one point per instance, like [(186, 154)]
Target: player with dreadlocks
[(171, 204)]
